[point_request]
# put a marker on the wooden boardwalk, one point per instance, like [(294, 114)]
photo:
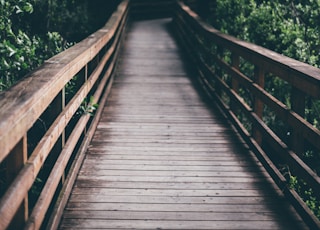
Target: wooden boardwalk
[(162, 159)]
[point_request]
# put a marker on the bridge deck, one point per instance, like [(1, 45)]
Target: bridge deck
[(162, 159)]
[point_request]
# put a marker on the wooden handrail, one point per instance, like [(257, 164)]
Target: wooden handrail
[(222, 78), (91, 65)]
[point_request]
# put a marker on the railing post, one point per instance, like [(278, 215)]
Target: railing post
[(219, 71), (86, 73), (235, 62), (298, 99), (63, 134), (259, 79), (85, 79), (58, 105), (14, 163)]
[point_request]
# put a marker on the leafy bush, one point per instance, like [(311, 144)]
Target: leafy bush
[(32, 31), (20, 51), (73, 19), (285, 26)]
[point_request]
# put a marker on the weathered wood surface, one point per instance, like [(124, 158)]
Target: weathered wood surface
[(224, 82), (161, 158), (41, 96)]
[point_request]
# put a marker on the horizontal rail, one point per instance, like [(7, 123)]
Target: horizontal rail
[(55, 96), (244, 99)]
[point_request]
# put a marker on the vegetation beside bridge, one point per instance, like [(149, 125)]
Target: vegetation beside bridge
[(281, 102), (32, 31)]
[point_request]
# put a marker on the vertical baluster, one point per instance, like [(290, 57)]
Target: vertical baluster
[(219, 71), (235, 62), (14, 163), (63, 134), (86, 73), (259, 78), (298, 99), (58, 105), (82, 81)]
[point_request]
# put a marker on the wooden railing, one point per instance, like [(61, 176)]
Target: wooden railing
[(234, 73), (54, 98)]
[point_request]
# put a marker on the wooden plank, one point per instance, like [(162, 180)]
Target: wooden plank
[(195, 150), (162, 133), (186, 224), (175, 193), (175, 200), (172, 168), (168, 157), (203, 216), (110, 172), (103, 181), (166, 207), (239, 184), (219, 152), (14, 163), (168, 163)]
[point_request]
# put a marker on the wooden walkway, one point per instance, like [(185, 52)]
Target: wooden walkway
[(162, 159)]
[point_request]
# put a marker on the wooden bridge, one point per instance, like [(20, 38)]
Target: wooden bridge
[(175, 143)]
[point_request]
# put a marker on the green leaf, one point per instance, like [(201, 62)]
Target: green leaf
[(28, 7), (18, 10), (12, 51)]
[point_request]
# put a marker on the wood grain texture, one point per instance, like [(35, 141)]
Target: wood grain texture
[(22, 105), (162, 158)]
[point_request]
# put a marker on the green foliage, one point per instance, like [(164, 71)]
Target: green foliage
[(32, 31), (20, 51), (264, 26), (285, 26), (88, 106), (306, 194), (230, 16), (73, 19), (69, 17)]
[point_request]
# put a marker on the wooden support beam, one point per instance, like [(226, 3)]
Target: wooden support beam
[(259, 79), (14, 163), (298, 104)]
